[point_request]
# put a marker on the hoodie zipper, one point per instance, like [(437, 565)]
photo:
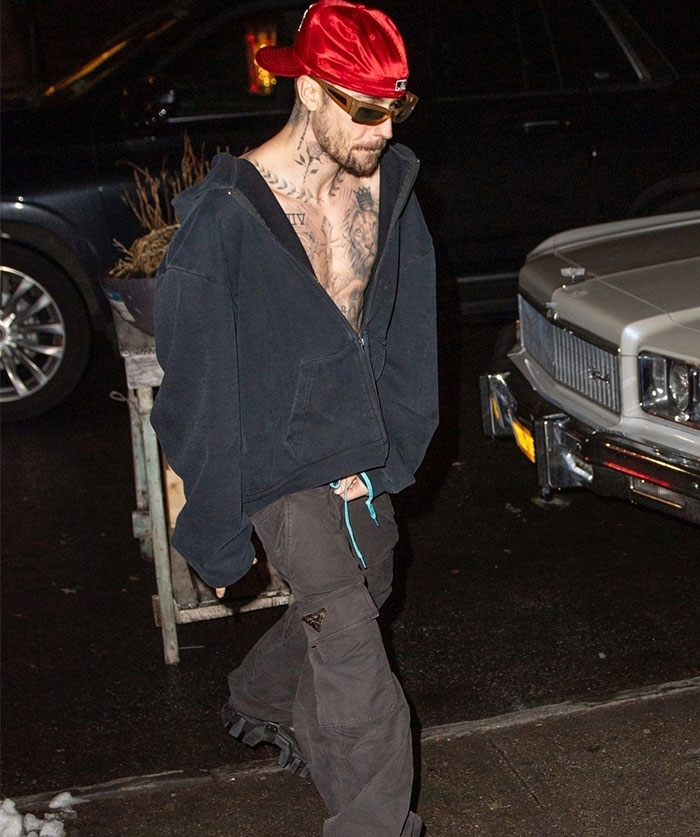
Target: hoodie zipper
[(371, 383), (398, 209), (399, 206)]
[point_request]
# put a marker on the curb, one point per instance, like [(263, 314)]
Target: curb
[(173, 779)]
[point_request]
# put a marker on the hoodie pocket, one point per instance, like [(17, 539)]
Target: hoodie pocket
[(333, 408), (377, 352)]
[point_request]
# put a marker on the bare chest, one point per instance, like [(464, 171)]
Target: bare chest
[(340, 238)]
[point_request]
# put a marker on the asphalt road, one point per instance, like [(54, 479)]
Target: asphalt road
[(502, 601)]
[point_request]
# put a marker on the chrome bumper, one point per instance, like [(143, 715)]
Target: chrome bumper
[(568, 453)]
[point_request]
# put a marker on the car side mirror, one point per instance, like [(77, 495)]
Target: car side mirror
[(152, 105), (159, 107)]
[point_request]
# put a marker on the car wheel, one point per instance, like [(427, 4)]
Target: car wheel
[(505, 340), (44, 334), (679, 203)]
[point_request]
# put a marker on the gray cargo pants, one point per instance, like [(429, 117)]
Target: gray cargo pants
[(323, 669)]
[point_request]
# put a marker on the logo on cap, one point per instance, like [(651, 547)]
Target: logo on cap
[(401, 84)]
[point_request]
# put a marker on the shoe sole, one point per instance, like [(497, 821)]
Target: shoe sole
[(253, 731)]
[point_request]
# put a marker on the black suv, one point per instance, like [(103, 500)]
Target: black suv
[(534, 116)]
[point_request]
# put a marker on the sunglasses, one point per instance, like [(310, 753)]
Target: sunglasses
[(365, 113)]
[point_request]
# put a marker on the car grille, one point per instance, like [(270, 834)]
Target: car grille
[(571, 360)]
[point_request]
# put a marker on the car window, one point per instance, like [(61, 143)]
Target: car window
[(676, 32), (463, 48), (588, 54), (478, 50), (214, 72)]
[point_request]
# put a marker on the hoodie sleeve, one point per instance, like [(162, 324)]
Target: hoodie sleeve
[(407, 386), (196, 418)]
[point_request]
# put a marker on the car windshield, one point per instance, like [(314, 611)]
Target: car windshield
[(676, 32), (103, 61)]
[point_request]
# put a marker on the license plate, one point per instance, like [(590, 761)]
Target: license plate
[(524, 440)]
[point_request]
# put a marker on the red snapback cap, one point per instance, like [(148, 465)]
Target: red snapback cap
[(346, 44)]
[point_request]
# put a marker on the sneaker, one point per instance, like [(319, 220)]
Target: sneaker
[(253, 731)]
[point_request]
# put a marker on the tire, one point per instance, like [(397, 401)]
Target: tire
[(679, 203), (45, 334), (505, 340)]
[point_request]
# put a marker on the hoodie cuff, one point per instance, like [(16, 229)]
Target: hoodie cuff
[(380, 484)]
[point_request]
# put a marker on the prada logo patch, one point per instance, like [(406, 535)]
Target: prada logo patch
[(315, 620)]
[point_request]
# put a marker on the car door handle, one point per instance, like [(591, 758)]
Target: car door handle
[(541, 124)]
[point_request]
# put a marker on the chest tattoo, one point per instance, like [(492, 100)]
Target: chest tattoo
[(362, 225), (339, 235)]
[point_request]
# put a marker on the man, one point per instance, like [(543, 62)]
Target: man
[(295, 323)]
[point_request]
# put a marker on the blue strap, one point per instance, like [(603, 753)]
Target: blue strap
[(370, 497), (346, 512)]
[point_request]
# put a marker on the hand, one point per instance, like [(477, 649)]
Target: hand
[(220, 591), (351, 487)]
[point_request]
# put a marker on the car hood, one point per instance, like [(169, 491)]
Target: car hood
[(602, 279)]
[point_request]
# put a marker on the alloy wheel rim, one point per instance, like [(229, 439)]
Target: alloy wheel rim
[(32, 336)]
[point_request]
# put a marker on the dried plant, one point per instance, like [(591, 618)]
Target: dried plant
[(152, 206), (144, 255)]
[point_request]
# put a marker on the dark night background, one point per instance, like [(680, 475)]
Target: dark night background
[(65, 32), (510, 602)]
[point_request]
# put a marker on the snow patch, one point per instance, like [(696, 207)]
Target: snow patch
[(14, 824)]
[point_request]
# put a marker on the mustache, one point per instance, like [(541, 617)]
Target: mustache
[(379, 146)]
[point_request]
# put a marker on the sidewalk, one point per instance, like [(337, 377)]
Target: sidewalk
[(626, 766)]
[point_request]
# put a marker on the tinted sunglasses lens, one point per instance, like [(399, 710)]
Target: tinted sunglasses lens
[(369, 116), (374, 116), (338, 97)]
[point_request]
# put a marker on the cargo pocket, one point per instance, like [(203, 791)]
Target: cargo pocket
[(352, 679)]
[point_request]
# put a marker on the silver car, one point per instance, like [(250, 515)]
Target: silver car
[(602, 388)]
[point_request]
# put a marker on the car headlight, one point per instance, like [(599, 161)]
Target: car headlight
[(670, 388)]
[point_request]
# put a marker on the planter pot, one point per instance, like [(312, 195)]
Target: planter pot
[(132, 300)]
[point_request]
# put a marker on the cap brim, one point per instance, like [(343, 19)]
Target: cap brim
[(279, 60)]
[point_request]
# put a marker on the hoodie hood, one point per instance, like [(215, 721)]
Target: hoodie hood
[(398, 166), (221, 175), (239, 178)]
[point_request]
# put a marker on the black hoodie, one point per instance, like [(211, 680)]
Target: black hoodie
[(267, 389)]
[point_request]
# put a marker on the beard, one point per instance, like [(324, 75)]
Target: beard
[(359, 160)]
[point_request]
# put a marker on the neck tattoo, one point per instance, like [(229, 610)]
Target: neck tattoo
[(283, 186)]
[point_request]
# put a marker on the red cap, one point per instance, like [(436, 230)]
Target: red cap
[(346, 44)]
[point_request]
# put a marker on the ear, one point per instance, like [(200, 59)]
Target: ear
[(309, 93)]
